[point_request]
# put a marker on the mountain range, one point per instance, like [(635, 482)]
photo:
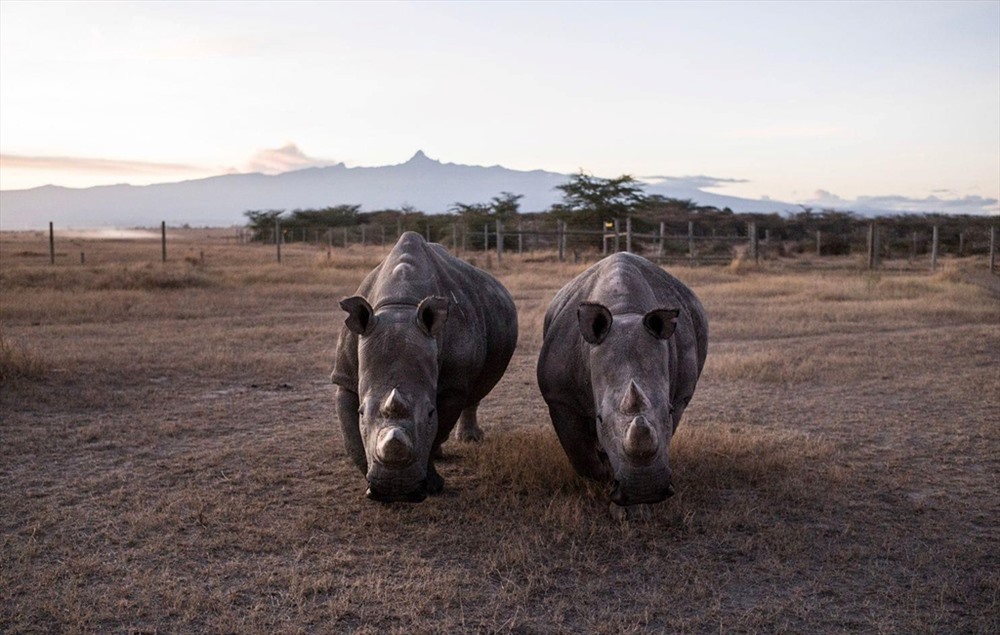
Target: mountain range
[(423, 183)]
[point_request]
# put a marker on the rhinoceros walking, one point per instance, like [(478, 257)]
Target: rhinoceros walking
[(427, 337), (623, 346)]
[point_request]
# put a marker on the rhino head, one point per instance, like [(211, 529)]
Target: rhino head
[(397, 393), (630, 378)]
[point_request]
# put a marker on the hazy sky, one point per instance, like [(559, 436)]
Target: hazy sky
[(795, 101)]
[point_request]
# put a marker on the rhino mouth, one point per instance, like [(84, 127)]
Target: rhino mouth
[(625, 495), (382, 494)]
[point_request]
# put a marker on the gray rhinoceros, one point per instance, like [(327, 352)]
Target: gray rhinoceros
[(623, 347), (427, 337)]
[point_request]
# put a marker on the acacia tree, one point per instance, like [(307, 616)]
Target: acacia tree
[(591, 200)]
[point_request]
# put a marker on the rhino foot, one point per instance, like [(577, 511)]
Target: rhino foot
[(469, 434), (468, 427)]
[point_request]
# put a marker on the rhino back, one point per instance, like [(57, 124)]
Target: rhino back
[(481, 331)]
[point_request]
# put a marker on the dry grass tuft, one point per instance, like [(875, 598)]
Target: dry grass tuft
[(19, 362)]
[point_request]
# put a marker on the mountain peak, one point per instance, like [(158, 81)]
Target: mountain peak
[(420, 157)]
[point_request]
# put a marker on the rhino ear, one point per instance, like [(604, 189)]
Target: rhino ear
[(360, 317), (661, 322), (595, 321), (432, 313)]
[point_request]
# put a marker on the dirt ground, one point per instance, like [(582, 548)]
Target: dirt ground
[(171, 461)]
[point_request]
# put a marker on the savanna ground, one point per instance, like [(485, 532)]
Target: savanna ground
[(171, 462)]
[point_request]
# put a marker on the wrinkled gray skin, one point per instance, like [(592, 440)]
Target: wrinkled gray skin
[(427, 337), (623, 347)]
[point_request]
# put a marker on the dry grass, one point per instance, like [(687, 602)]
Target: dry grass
[(172, 463)]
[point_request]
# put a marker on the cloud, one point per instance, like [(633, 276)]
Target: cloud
[(284, 159), (92, 165), (904, 204), (698, 181)]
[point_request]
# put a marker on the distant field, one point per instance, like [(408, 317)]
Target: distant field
[(171, 461)]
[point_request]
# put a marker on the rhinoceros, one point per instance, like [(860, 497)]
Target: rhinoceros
[(623, 346), (427, 337)]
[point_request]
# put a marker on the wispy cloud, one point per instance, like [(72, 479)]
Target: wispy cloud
[(284, 159), (92, 165), (698, 181), (895, 203)]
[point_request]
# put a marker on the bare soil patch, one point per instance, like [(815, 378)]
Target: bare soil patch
[(171, 461)]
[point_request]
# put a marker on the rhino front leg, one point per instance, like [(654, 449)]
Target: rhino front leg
[(347, 413), (468, 426), (579, 440)]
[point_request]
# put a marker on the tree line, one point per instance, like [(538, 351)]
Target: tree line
[(594, 203)]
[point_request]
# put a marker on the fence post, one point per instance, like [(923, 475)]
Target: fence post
[(871, 246), (934, 249), (499, 243), (618, 242), (520, 239), (961, 244), (628, 233), (913, 248), (52, 245), (561, 237), (163, 239), (454, 238), (277, 238), (993, 248), (691, 239), (819, 243), (659, 246), (754, 250)]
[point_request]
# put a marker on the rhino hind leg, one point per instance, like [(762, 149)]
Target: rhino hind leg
[(468, 426), (347, 413)]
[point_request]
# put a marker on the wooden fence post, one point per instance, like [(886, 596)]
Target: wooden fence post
[(754, 246), (659, 245), (277, 238), (691, 240), (871, 246), (993, 248), (628, 233), (499, 243), (163, 240), (819, 243), (486, 238), (618, 242), (934, 249), (52, 245), (561, 238)]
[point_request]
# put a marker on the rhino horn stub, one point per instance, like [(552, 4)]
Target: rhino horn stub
[(394, 447), (634, 401), (394, 406), (640, 441)]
